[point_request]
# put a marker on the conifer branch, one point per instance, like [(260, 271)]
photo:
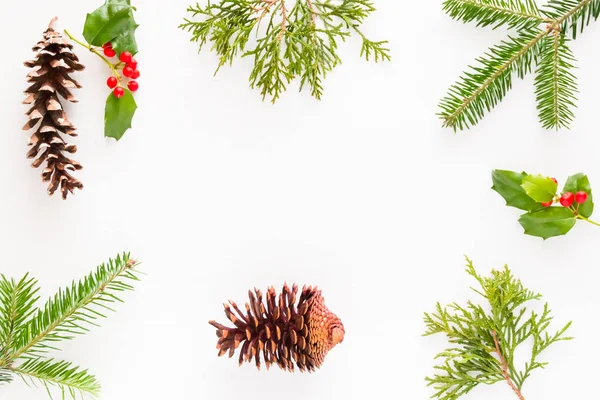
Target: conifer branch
[(26, 333), (298, 41), (483, 86), (513, 13), (50, 373), (484, 343)]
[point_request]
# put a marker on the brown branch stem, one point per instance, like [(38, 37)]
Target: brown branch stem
[(313, 11), (504, 366)]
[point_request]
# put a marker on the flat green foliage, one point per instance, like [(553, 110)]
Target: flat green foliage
[(27, 332), (296, 40), (483, 339), (528, 192), (118, 114), (113, 22), (540, 45)]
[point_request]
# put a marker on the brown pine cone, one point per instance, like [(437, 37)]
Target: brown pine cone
[(53, 63), (285, 334)]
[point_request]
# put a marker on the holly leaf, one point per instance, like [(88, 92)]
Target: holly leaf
[(508, 185), (113, 22), (540, 188), (548, 222), (118, 114), (580, 182)]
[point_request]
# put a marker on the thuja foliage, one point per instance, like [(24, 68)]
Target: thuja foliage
[(484, 339), (28, 333), (297, 39), (540, 44)]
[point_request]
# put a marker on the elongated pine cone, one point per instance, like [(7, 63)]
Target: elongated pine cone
[(53, 63), (285, 334)]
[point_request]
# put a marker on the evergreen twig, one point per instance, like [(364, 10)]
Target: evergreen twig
[(27, 332), (299, 40), (484, 85), (484, 343)]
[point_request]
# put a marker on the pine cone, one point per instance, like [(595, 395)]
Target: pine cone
[(284, 333), (53, 63)]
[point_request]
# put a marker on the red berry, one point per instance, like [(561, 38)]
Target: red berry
[(581, 197), (109, 52), (133, 86), (555, 181), (119, 92), (125, 57), (133, 63), (128, 71), (105, 45), (112, 82), (136, 74), (567, 199), (548, 204)]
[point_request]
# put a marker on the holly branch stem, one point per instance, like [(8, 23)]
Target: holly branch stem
[(587, 220), (96, 52), (504, 366)]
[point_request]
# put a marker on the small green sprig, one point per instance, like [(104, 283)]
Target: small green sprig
[(298, 40), (483, 343), (540, 44), (27, 333), (536, 194)]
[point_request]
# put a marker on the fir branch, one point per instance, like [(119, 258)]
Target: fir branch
[(572, 15), (26, 333), (482, 87), (50, 373), (17, 301), (483, 344), (73, 309), (485, 85), (299, 39), (512, 13), (556, 86)]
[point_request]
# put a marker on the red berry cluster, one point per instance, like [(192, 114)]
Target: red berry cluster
[(567, 199), (130, 71)]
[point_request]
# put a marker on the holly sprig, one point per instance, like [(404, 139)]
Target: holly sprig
[(484, 339), (549, 213), (110, 32)]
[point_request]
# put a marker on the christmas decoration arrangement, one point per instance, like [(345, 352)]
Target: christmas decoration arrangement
[(540, 43), (286, 39), (549, 213), (484, 339), (284, 332), (28, 333)]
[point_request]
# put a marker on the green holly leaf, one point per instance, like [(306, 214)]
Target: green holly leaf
[(580, 182), (118, 114), (540, 188), (548, 222), (113, 22), (508, 185)]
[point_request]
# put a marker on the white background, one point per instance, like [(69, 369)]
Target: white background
[(363, 194)]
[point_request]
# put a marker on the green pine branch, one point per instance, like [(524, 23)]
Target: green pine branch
[(512, 13), (541, 48), (27, 332), (293, 39), (484, 340), (555, 84)]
